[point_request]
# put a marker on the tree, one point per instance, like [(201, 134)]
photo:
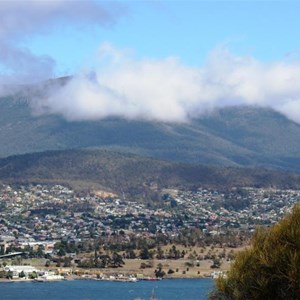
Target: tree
[(2, 274), (9, 275), (61, 252), (216, 263), (33, 275), (159, 273), (67, 262), (104, 261), (159, 266), (270, 269), (160, 253), (144, 253), (47, 264), (129, 253), (40, 251), (174, 253), (116, 260), (58, 263)]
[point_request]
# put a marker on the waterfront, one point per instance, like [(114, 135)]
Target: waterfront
[(168, 289)]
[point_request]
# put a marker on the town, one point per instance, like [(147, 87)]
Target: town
[(68, 228)]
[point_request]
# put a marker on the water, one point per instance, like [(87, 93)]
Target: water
[(167, 289)]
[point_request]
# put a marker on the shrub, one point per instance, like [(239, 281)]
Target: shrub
[(159, 273), (270, 269)]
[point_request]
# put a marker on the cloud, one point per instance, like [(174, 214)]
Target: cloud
[(120, 85), (21, 19), (169, 91), (22, 66)]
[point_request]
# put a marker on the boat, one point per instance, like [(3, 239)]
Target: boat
[(49, 277), (126, 279), (151, 278), (120, 278)]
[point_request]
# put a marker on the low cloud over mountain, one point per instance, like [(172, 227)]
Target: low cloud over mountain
[(168, 90), (121, 85)]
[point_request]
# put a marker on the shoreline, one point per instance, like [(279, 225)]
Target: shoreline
[(96, 279)]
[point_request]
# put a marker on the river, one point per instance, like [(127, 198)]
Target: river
[(167, 289)]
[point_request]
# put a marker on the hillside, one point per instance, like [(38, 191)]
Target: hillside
[(238, 136), (132, 175)]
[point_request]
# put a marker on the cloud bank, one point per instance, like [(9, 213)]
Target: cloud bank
[(169, 91), (21, 19), (120, 85)]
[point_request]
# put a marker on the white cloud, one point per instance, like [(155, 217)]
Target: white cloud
[(163, 90), (169, 91), (21, 19)]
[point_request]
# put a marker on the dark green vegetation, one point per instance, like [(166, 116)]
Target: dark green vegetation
[(229, 137), (128, 174), (270, 269)]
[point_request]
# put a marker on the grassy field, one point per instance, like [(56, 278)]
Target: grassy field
[(187, 267)]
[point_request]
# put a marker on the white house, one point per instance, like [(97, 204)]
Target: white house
[(16, 270)]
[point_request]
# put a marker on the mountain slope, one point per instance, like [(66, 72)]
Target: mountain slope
[(238, 136), (130, 174)]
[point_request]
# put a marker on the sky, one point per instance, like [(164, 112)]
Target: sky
[(190, 30), (168, 61)]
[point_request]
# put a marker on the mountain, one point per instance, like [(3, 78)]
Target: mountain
[(236, 136), (131, 175)]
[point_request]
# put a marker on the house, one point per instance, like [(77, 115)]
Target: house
[(17, 270)]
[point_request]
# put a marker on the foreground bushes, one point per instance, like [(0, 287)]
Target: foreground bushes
[(269, 269)]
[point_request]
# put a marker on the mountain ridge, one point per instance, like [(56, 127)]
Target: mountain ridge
[(130, 174), (236, 136)]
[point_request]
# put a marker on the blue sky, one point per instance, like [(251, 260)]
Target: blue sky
[(157, 60), (266, 30)]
